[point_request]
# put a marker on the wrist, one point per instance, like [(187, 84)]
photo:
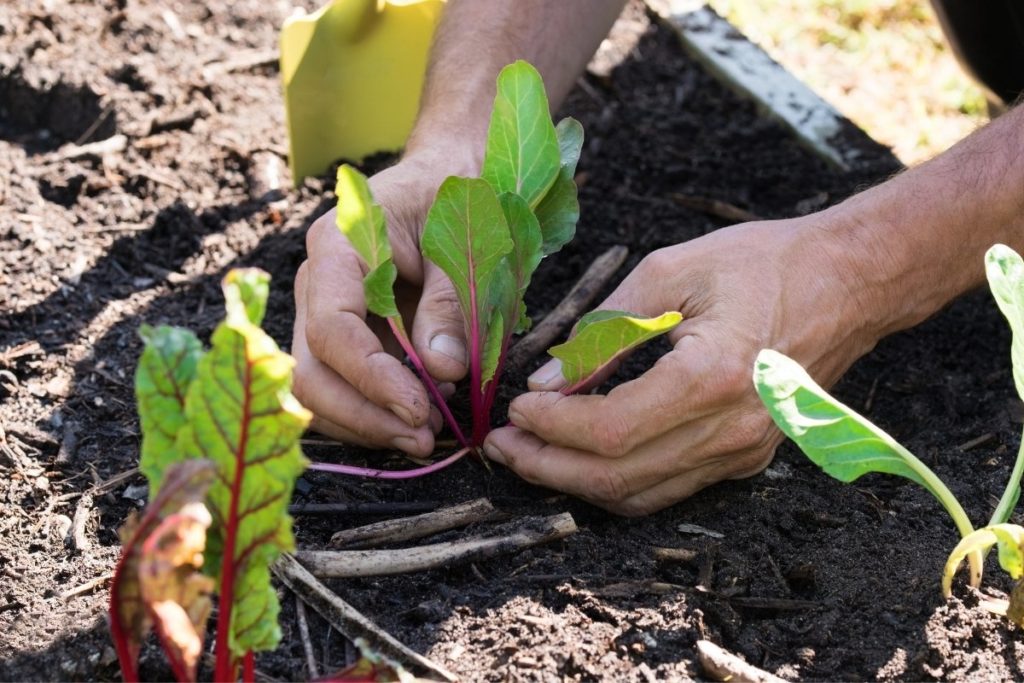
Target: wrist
[(455, 150)]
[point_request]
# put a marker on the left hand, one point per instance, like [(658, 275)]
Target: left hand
[(694, 418)]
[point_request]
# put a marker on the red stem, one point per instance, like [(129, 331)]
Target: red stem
[(225, 669), (389, 474), (117, 633), (399, 331), (249, 667)]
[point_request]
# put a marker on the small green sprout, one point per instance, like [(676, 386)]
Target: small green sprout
[(847, 445)]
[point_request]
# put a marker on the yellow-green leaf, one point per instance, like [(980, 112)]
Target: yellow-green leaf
[(165, 371), (1009, 538), (602, 336), (241, 415), (361, 220)]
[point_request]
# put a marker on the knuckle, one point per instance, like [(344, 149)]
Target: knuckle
[(747, 432), (317, 336), (657, 264), (612, 435), (632, 508), (606, 485)]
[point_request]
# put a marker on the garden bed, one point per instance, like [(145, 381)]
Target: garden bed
[(810, 579)]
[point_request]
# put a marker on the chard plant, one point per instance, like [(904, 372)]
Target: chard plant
[(220, 450), (488, 235), (847, 445)]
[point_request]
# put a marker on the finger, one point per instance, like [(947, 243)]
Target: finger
[(439, 328), (338, 336), (606, 481), (684, 385), (343, 412), (679, 487)]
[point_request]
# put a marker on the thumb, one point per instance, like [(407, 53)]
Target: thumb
[(439, 328)]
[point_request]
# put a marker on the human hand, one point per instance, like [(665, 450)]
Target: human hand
[(348, 370), (694, 418)]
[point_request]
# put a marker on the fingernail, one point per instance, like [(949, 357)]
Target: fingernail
[(494, 454), (406, 444), (548, 373), (449, 346), (402, 413)]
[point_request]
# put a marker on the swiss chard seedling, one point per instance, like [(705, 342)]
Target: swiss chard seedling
[(846, 445), (220, 450), (488, 235)]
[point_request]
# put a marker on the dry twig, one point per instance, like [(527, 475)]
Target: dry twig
[(348, 620), (725, 666), (419, 526), (684, 555), (312, 673), (570, 308), (715, 207), (338, 564)]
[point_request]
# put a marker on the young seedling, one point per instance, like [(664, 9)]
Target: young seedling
[(220, 427), (846, 445), (488, 235)]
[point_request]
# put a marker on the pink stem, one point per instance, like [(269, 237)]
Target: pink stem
[(428, 381), (390, 474)]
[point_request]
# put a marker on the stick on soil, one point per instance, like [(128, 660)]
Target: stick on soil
[(340, 564), (419, 526), (715, 207), (725, 666), (570, 308), (362, 508), (350, 621)]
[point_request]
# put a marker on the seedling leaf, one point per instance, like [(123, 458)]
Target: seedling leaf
[(840, 441), (602, 336), (522, 154), (177, 507), (1008, 537), (1005, 270), (165, 371), (492, 348), (559, 210), (467, 236), (522, 260), (241, 415), (361, 220)]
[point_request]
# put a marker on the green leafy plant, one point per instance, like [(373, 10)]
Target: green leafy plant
[(220, 450), (847, 445), (488, 235)]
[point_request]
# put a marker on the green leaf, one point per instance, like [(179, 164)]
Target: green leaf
[(569, 132), (838, 440), (602, 336), (523, 259), (467, 236), (1009, 538), (165, 371), (361, 220), (559, 210), (522, 153), (492, 348), (1005, 270), (241, 415)]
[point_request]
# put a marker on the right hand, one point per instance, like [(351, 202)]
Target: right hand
[(348, 370)]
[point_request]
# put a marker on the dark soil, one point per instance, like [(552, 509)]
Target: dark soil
[(93, 247)]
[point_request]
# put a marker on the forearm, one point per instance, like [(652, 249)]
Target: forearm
[(477, 38), (917, 241)]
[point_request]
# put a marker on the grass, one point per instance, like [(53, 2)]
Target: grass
[(884, 63)]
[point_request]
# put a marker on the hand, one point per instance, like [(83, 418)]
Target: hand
[(694, 418), (348, 370)]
